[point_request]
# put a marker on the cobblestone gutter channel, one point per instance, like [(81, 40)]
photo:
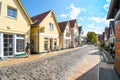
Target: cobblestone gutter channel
[(57, 67)]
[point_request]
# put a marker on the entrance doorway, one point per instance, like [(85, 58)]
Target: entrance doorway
[(8, 45), (51, 42)]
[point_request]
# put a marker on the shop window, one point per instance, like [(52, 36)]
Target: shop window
[(20, 43)]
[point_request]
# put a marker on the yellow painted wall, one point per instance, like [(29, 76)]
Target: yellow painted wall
[(34, 36), (20, 25)]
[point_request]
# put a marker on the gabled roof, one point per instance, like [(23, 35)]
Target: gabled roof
[(72, 22), (38, 18), (114, 6), (20, 4), (62, 25)]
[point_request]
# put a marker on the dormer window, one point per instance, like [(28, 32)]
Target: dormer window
[(35, 21), (11, 12)]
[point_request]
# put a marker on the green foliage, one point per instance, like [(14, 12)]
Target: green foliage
[(91, 37), (102, 44)]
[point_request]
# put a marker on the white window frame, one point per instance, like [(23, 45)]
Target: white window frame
[(51, 26), (1, 45), (21, 37), (11, 14)]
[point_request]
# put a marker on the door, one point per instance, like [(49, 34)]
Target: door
[(51, 41), (8, 45)]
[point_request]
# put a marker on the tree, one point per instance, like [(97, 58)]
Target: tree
[(91, 37)]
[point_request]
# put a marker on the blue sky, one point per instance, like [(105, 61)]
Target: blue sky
[(91, 14)]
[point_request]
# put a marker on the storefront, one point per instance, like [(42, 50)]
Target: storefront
[(11, 45)]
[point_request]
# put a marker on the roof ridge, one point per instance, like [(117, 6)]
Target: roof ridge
[(38, 18)]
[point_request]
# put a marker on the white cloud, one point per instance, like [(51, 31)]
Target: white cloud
[(64, 15), (91, 25), (106, 6), (81, 18), (96, 19), (74, 11), (99, 20)]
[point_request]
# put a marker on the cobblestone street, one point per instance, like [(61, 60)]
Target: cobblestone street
[(57, 67), (83, 63)]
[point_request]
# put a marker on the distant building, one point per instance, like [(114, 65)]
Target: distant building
[(65, 35), (75, 33), (112, 32), (80, 35)]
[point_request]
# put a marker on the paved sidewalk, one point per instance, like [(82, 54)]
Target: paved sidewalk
[(95, 67), (12, 61), (88, 69)]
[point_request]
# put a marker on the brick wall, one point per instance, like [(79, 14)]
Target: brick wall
[(117, 45)]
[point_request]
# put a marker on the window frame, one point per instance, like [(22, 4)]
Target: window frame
[(20, 37), (13, 13), (51, 26)]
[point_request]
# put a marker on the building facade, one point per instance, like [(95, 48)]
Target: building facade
[(65, 36), (114, 13), (45, 32), (112, 33), (14, 28), (75, 33)]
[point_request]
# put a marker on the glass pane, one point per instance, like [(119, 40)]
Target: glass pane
[(5, 49), (10, 36), (11, 12), (5, 53), (10, 53), (5, 36), (20, 45), (10, 49), (5, 45)]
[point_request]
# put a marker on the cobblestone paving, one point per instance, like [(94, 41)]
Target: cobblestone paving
[(57, 67)]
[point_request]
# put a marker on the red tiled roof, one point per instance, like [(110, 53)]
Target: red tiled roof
[(62, 25), (38, 18), (72, 22)]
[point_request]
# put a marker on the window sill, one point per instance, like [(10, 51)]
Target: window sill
[(11, 18)]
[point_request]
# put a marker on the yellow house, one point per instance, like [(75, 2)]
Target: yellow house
[(75, 33), (65, 36), (14, 28), (45, 32)]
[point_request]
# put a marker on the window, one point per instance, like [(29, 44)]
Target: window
[(51, 26), (45, 44), (11, 12), (20, 43)]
